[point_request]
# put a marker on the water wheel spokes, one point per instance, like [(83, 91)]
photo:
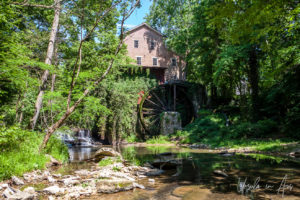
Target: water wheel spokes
[(164, 98)]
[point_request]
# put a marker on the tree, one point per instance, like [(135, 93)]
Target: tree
[(125, 13)]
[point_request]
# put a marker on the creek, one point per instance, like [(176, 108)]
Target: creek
[(201, 174)]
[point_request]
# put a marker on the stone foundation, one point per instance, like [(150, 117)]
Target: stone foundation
[(170, 122)]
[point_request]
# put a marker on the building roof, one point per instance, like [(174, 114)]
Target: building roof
[(144, 24)]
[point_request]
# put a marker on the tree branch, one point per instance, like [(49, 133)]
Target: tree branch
[(78, 60)]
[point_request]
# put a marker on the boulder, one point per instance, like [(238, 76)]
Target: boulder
[(29, 190), (220, 173), (105, 151), (17, 181), (54, 190), (14, 194), (114, 186)]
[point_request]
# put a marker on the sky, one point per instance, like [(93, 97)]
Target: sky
[(138, 15)]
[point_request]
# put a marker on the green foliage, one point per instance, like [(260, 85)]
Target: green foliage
[(132, 138), (120, 96), (211, 129), (19, 151), (116, 169), (161, 139), (106, 162)]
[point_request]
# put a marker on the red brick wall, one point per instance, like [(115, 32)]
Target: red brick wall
[(145, 35)]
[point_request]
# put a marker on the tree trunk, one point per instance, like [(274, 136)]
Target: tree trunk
[(253, 79), (48, 60), (70, 110)]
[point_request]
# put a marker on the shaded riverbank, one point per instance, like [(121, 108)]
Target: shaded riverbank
[(188, 174)]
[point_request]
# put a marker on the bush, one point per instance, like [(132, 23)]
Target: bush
[(20, 151), (106, 162), (210, 128), (261, 129), (162, 139)]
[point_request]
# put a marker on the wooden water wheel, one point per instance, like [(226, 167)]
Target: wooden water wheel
[(171, 96)]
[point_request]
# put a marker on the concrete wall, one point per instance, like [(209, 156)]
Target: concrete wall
[(145, 35)]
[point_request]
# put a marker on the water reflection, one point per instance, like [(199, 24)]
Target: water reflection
[(78, 154)]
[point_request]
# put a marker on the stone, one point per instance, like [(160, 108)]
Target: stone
[(219, 172), (29, 190), (17, 181), (105, 151), (70, 181), (151, 180), (51, 179), (154, 172), (3, 186), (113, 186), (14, 194), (51, 198), (83, 172), (136, 185), (54, 190), (56, 175), (170, 122)]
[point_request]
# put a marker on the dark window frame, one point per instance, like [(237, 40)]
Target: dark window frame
[(174, 62), (152, 45), (154, 61), (136, 44), (139, 60)]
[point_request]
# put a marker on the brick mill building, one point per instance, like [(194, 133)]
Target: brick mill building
[(146, 46)]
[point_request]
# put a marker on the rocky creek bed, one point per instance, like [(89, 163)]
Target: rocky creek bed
[(165, 172)]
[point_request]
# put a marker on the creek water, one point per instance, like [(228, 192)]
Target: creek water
[(199, 174)]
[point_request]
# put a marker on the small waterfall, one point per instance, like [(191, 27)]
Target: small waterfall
[(84, 138), (80, 138)]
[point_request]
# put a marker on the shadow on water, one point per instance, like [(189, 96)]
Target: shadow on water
[(197, 168)]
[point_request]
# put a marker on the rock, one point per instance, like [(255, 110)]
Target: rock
[(219, 172), (17, 181), (295, 153), (56, 175), (3, 186), (151, 180), (29, 190), (154, 172), (51, 179), (83, 172), (45, 175), (52, 162), (101, 153), (70, 181), (51, 198), (13, 194), (113, 186), (170, 122), (147, 164), (136, 185), (54, 190)]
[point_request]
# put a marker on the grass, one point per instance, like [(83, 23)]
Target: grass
[(211, 129), (116, 169), (106, 162), (159, 140), (19, 151)]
